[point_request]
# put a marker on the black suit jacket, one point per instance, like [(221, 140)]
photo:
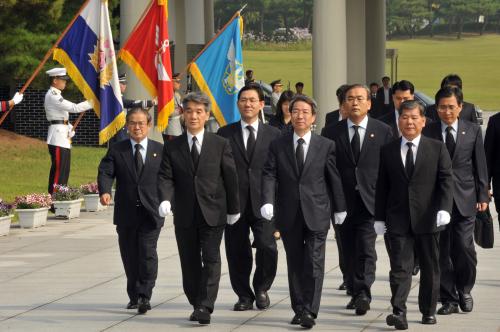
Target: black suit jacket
[(381, 108), (412, 204), (362, 175), (250, 171), (390, 119), (213, 184), (492, 148), (468, 113), (119, 164), (470, 173), (313, 191), (332, 117)]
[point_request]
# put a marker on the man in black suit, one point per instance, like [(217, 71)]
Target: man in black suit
[(413, 200), (492, 148), (383, 99), (300, 174), (337, 115), (250, 141), (457, 255), (134, 164), (468, 111), (358, 140), (198, 181)]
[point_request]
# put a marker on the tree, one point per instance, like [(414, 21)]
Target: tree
[(458, 12), (487, 9), (406, 16)]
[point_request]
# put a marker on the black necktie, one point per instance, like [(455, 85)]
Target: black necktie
[(299, 154), (250, 141), (409, 165), (138, 159), (195, 155), (450, 141), (355, 143)]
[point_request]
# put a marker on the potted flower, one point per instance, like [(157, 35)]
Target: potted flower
[(90, 193), (67, 202), (6, 210), (32, 209)]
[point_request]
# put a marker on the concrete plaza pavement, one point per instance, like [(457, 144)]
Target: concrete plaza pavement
[(69, 277)]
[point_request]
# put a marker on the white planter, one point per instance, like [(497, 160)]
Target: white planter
[(31, 218), (93, 203), (5, 225), (68, 209)]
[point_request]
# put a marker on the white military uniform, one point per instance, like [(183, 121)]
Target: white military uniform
[(57, 109)]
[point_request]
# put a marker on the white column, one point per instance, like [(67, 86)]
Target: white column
[(209, 20), (195, 22), (329, 54), (375, 40), (356, 44)]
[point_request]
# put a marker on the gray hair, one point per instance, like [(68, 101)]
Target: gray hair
[(198, 98), (138, 110), (305, 99), (410, 105), (356, 86)]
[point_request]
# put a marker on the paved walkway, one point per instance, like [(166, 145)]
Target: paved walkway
[(69, 277)]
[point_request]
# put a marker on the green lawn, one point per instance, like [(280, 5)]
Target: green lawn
[(423, 61), (25, 171)]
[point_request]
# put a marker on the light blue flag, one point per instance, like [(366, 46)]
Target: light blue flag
[(88, 53), (218, 71)]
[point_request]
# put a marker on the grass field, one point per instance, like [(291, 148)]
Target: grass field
[(423, 61), (25, 169)]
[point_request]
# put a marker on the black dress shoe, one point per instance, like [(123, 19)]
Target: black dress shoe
[(348, 291), (466, 302), (243, 305), (262, 300), (448, 309), (350, 305), (143, 305), (307, 320), (132, 305), (192, 317), (416, 269), (428, 319), (297, 319), (202, 315), (362, 304), (342, 286), (398, 321)]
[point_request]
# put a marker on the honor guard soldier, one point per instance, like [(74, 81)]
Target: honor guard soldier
[(129, 104), (57, 110)]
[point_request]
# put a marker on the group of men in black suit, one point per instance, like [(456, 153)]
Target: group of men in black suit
[(364, 176)]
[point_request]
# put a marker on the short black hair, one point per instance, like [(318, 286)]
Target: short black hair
[(452, 79), (299, 84), (386, 78), (249, 71), (403, 85), (252, 86), (410, 105), (449, 91), (287, 95), (340, 93), (373, 84)]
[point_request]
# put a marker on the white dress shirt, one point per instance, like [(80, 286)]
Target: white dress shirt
[(404, 148), (199, 140), (144, 148), (454, 131), (305, 145), (386, 96), (361, 130), (245, 131)]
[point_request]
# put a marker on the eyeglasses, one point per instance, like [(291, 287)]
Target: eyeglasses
[(444, 108), (139, 123), (251, 100), (304, 112), (359, 99)]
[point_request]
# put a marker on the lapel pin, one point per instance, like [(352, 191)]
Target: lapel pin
[(154, 154), (463, 132), (372, 135)]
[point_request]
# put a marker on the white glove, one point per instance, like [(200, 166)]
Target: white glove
[(232, 218), (17, 98), (339, 217), (267, 211), (442, 218), (379, 227), (164, 209), (71, 132)]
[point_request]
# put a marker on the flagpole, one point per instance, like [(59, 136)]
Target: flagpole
[(211, 40), (45, 58)]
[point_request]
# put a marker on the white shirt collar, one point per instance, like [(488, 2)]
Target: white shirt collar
[(415, 141), (55, 89), (199, 137), (306, 137), (454, 125), (255, 125), (362, 124), (143, 143)]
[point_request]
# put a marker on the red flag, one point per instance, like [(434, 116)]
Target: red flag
[(147, 52)]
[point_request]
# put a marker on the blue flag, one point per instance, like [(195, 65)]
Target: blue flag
[(218, 71), (87, 52)]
